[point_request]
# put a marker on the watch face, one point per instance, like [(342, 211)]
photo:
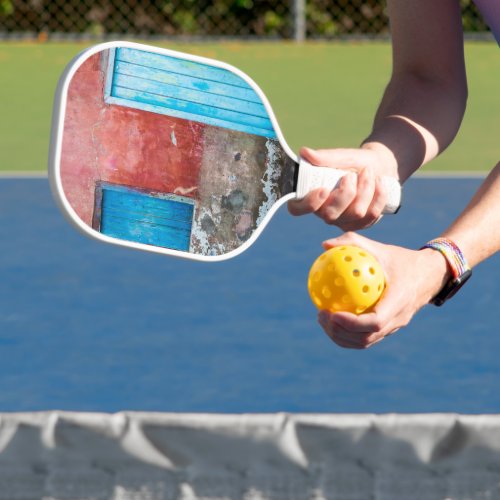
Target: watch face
[(451, 288)]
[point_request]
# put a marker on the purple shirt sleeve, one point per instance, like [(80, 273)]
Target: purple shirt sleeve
[(490, 9)]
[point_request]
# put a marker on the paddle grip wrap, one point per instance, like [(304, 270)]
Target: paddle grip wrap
[(312, 177)]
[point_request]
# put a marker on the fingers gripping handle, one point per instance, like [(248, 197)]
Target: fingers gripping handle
[(312, 177)]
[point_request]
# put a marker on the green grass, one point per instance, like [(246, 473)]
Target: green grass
[(324, 95)]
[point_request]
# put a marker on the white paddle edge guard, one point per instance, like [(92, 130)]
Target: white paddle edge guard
[(313, 177)]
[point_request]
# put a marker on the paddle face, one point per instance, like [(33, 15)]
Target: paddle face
[(166, 152)]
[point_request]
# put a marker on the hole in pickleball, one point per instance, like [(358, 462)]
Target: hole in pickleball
[(317, 301), (336, 306), (346, 299), (360, 309), (366, 289), (317, 276), (356, 273), (327, 293), (362, 254), (348, 258), (339, 281), (372, 270)]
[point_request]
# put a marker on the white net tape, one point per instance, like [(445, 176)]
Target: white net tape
[(155, 456)]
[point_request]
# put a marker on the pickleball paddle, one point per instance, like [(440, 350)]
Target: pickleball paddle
[(173, 153)]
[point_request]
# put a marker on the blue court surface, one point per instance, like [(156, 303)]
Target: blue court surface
[(91, 327)]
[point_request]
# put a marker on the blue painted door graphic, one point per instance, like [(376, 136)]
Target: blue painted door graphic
[(157, 219), (185, 89)]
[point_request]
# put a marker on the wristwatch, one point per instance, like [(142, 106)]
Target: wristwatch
[(460, 270)]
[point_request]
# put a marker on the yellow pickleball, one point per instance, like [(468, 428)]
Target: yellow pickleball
[(346, 278)]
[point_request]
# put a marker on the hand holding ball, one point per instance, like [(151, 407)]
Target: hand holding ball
[(346, 278)]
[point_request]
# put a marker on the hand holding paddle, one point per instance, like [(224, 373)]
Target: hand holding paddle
[(360, 198)]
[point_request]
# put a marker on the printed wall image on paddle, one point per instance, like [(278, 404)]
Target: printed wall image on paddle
[(169, 152)]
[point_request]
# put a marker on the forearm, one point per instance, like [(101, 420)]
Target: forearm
[(416, 121), (477, 230), (424, 103)]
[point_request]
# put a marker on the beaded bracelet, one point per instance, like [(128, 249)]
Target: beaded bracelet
[(459, 267), (452, 254)]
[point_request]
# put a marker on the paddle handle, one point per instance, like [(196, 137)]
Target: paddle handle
[(312, 177)]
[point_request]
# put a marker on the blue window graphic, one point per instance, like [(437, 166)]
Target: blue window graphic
[(185, 89), (159, 219)]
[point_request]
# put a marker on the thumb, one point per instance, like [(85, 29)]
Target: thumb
[(349, 238), (335, 158)]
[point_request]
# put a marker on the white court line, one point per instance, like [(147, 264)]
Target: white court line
[(458, 174), (11, 174), (453, 174)]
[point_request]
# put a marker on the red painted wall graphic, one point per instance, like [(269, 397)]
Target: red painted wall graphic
[(123, 145)]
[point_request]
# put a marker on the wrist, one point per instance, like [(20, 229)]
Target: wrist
[(388, 165), (437, 273)]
